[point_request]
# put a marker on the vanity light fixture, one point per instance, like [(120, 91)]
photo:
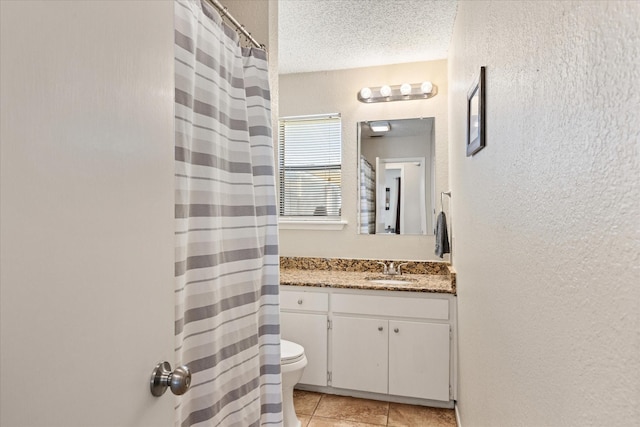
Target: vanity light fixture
[(365, 93), (385, 91), (380, 126), (403, 92)]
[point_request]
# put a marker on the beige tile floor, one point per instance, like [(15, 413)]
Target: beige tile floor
[(326, 410)]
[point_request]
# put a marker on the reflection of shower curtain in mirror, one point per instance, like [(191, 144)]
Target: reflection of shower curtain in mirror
[(367, 197), (227, 265)]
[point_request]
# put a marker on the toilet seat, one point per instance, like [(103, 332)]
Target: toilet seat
[(290, 352)]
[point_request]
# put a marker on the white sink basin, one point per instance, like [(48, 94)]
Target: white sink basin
[(389, 282)]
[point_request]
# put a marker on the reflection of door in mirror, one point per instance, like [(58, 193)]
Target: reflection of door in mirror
[(402, 206), (402, 180), (392, 178)]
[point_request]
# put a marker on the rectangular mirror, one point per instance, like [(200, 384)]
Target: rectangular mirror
[(396, 173)]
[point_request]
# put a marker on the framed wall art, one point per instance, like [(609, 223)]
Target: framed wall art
[(476, 114)]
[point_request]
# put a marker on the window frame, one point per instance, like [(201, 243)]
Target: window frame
[(307, 222)]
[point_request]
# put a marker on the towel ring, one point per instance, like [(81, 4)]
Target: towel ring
[(442, 193)]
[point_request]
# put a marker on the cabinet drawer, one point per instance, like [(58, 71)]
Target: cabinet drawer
[(424, 308), (300, 300)]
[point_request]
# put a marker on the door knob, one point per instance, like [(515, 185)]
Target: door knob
[(396, 330), (380, 328), (162, 377)]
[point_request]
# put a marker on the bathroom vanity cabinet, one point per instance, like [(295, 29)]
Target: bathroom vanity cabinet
[(393, 343), (373, 350), (304, 320)]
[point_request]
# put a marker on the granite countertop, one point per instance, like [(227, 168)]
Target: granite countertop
[(354, 274)]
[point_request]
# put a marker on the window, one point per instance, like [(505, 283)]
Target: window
[(310, 157)]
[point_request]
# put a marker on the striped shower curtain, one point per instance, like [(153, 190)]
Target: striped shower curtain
[(367, 197), (227, 266)]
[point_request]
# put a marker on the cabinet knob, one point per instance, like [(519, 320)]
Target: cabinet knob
[(300, 301), (396, 330), (380, 328)]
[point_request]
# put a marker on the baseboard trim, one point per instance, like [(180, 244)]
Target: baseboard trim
[(458, 422), (377, 396)]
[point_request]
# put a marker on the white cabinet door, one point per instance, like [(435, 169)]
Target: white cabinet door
[(419, 360), (310, 331), (359, 354)]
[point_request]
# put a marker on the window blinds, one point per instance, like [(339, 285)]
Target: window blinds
[(310, 157)]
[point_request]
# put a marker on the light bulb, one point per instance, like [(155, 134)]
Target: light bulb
[(365, 93), (385, 91), (405, 89), (426, 87)]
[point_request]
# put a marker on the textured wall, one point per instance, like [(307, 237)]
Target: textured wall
[(260, 18), (335, 92), (547, 216), (254, 15)]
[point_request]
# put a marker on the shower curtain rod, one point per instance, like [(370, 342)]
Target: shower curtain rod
[(225, 12)]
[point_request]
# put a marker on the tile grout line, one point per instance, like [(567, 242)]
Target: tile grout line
[(314, 416), (315, 408), (388, 409)]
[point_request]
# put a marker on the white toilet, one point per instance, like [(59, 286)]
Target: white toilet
[(292, 363)]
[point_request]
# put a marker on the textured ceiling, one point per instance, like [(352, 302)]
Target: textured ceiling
[(316, 35)]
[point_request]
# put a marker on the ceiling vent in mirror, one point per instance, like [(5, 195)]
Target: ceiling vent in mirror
[(380, 126)]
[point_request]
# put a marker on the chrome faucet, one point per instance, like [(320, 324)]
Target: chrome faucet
[(391, 270), (400, 267), (386, 270)]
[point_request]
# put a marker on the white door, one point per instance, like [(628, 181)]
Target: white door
[(359, 354), (86, 212), (419, 360), (310, 331)]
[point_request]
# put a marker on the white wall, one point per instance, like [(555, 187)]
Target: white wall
[(335, 92), (397, 146), (260, 18), (546, 217)]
